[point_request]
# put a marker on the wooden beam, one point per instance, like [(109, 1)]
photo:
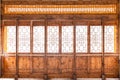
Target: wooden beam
[(58, 17), (57, 55), (64, 2)]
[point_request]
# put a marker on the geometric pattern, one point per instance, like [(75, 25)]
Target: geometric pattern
[(52, 39), (95, 39), (109, 39), (67, 39), (11, 38), (38, 39), (81, 39), (24, 39)]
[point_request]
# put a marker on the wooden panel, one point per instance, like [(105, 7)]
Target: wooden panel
[(110, 22), (53, 23), (81, 65), (38, 23), (24, 64), (95, 64), (67, 23), (38, 65), (111, 66), (66, 64), (9, 64), (53, 65), (24, 23), (9, 23)]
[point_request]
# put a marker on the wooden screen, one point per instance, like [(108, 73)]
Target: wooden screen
[(53, 37), (60, 47)]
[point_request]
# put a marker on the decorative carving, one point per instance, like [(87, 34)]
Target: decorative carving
[(67, 39), (95, 38), (24, 39), (109, 39), (11, 38), (38, 39), (60, 9), (81, 39), (53, 39)]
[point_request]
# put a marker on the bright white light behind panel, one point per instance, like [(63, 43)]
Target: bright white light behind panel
[(38, 39), (67, 39)]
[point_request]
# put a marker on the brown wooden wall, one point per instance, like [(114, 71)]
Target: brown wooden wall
[(62, 65)]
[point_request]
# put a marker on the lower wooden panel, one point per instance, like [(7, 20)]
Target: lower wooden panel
[(24, 65), (66, 64), (60, 66), (38, 64), (81, 66), (95, 64), (9, 65), (111, 66), (53, 65)]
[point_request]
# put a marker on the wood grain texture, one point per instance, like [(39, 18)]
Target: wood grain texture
[(9, 65), (60, 66)]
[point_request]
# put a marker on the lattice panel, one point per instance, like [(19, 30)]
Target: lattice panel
[(67, 39), (81, 38), (11, 38), (24, 39), (109, 38), (39, 39), (95, 38), (53, 39), (60, 9)]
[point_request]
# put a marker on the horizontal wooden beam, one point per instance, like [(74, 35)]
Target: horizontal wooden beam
[(66, 54), (58, 17), (45, 2)]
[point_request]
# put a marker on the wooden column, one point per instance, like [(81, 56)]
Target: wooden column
[(102, 58), (0, 40), (31, 46), (60, 45), (119, 33), (74, 47), (0, 49), (45, 57), (88, 49), (17, 60)]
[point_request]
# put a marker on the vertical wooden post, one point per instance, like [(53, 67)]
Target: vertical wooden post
[(74, 48), (31, 45), (17, 60), (0, 50), (103, 72), (0, 41), (60, 45), (46, 70), (88, 48), (119, 33)]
